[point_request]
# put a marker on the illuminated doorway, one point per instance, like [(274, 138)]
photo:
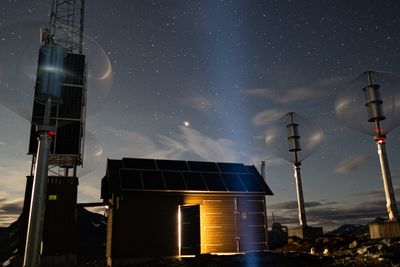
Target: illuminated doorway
[(189, 230)]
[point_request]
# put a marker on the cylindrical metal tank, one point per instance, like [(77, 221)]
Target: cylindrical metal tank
[(293, 137), (373, 103), (50, 72)]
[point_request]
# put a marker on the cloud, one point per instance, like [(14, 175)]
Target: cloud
[(10, 210), (331, 215), (289, 96), (267, 117), (378, 193), (206, 148), (199, 103), (90, 191), (187, 143), (317, 89), (350, 164), (292, 205)]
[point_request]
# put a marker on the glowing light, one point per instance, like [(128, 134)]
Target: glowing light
[(380, 140), (52, 133), (186, 123), (51, 69), (179, 231)]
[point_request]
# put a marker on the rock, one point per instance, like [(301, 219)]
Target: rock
[(362, 251), (353, 244)]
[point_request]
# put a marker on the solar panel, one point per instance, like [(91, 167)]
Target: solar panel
[(232, 167), (214, 181), (152, 180), (144, 164), (172, 165), (174, 180), (251, 183), (233, 182), (194, 181), (203, 166), (130, 179)]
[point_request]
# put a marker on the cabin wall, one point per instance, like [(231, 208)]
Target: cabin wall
[(143, 225)]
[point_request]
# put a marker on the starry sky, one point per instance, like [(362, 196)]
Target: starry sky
[(205, 80)]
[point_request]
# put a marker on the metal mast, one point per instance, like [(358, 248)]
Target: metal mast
[(375, 115), (65, 35), (294, 147), (66, 24)]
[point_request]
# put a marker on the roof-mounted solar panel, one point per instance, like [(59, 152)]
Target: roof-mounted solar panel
[(194, 181), (172, 165), (199, 166), (232, 167), (143, 164), (233, 182), (251, 183), (174, 180), (148, 174), (214, 181), (130, 180), (152, 180)]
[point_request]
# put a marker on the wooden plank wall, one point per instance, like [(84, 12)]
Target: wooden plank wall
[(145, 224), (217, 222)]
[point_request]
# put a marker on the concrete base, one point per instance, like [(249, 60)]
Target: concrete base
[(384, 230), (306, 232)]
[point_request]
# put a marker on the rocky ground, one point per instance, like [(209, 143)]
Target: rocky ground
[(324, 251), (348, 245)]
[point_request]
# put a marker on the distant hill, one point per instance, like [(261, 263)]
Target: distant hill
[(91, 237), (355, 230)]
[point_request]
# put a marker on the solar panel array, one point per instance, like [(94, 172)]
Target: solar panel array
[(174, 175)]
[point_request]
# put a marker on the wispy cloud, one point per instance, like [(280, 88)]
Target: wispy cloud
[(187, 143), (10, 210), (293, 205), (317, 89), (350, 164), (289, 96), (267, 117), (378, 193), (198, 102), (330, 215)]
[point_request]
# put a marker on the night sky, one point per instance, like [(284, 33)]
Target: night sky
[(205, 80)]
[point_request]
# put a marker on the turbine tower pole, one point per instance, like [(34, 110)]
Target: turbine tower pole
[(294, 148), (375, 115), (64, 36)]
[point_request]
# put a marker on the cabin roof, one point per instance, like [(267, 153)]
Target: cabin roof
[(138, 174)]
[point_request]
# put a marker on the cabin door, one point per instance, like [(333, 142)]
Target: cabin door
[(189, 229)]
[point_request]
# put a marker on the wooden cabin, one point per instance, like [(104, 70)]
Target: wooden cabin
[(162, 208)]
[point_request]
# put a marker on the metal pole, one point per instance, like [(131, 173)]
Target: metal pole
[(33, 246), (387, 181), (300, 198), (262, 169)]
